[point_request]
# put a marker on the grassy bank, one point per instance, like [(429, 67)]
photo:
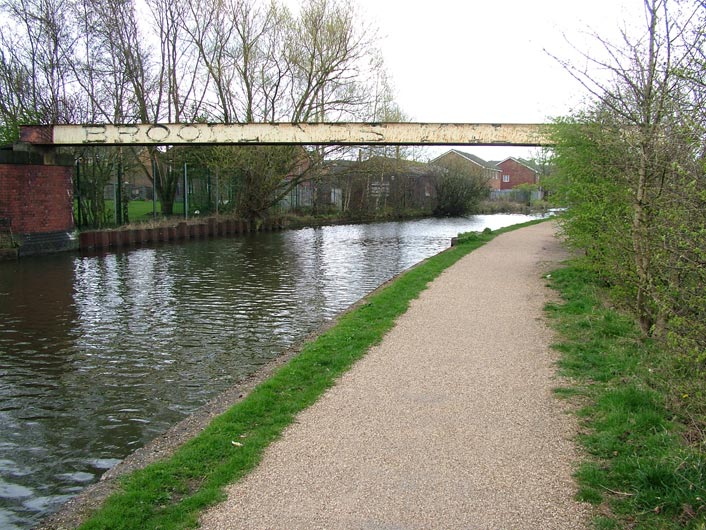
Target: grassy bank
[(641, 413), (171, 493)]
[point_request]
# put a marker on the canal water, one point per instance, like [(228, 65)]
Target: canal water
[(100, 354)]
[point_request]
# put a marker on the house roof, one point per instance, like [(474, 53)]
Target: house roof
[(338, 166), (387, 165), (527, 163), (471, 158)]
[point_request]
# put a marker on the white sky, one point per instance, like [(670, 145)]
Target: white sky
[(483, 61)]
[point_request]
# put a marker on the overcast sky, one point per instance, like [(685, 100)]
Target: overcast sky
[(484, 60)]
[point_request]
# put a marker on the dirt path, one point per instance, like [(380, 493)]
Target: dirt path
[(449, 423)]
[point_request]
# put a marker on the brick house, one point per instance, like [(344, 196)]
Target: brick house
[(474, 164), (516, 171)]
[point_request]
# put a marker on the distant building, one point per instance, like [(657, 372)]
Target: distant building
[(517, 171), (474, 164)]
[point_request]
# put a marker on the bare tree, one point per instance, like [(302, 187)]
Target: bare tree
[(179, 68), (232, 61), (209, 27), (239, 42), (36, 46), (643, 124), (113, 65), (325, 49)]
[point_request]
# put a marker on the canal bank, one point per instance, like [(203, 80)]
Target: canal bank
[(102, 353), (450, 422), (431, 394)]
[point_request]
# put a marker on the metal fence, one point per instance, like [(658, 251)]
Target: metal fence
[(516, 195)]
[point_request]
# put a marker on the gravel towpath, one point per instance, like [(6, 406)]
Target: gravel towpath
[(448, 423)]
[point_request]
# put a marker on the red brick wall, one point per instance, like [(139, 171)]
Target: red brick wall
[(36, 198), (519, 174), (496, 181)]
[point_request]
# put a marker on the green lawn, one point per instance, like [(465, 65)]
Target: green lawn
[(137, 210)]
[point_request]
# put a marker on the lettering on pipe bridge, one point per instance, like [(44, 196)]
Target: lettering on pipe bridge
[(291, 134)]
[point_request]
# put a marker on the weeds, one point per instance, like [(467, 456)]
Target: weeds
[(640, 470)]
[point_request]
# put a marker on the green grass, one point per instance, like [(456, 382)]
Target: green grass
[(142, 210), (639, 469), (137, 210), (171, 493)]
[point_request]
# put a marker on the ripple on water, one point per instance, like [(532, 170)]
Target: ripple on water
[(47, 504), (10, 468), (10, 521), (104, 463), (9, 490), (79, 476)]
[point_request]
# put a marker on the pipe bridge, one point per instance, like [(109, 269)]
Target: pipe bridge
[(481, 134)]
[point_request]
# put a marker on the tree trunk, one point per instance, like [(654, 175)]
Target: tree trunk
[(640, 245), (167, 205)]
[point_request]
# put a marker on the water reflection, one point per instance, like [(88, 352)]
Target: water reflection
[(99, 354)]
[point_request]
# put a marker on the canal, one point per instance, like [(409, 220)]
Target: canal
[(100, 354)]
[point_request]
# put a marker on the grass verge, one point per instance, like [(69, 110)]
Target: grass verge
[(138, 211), (171, 493), (643, 469)]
